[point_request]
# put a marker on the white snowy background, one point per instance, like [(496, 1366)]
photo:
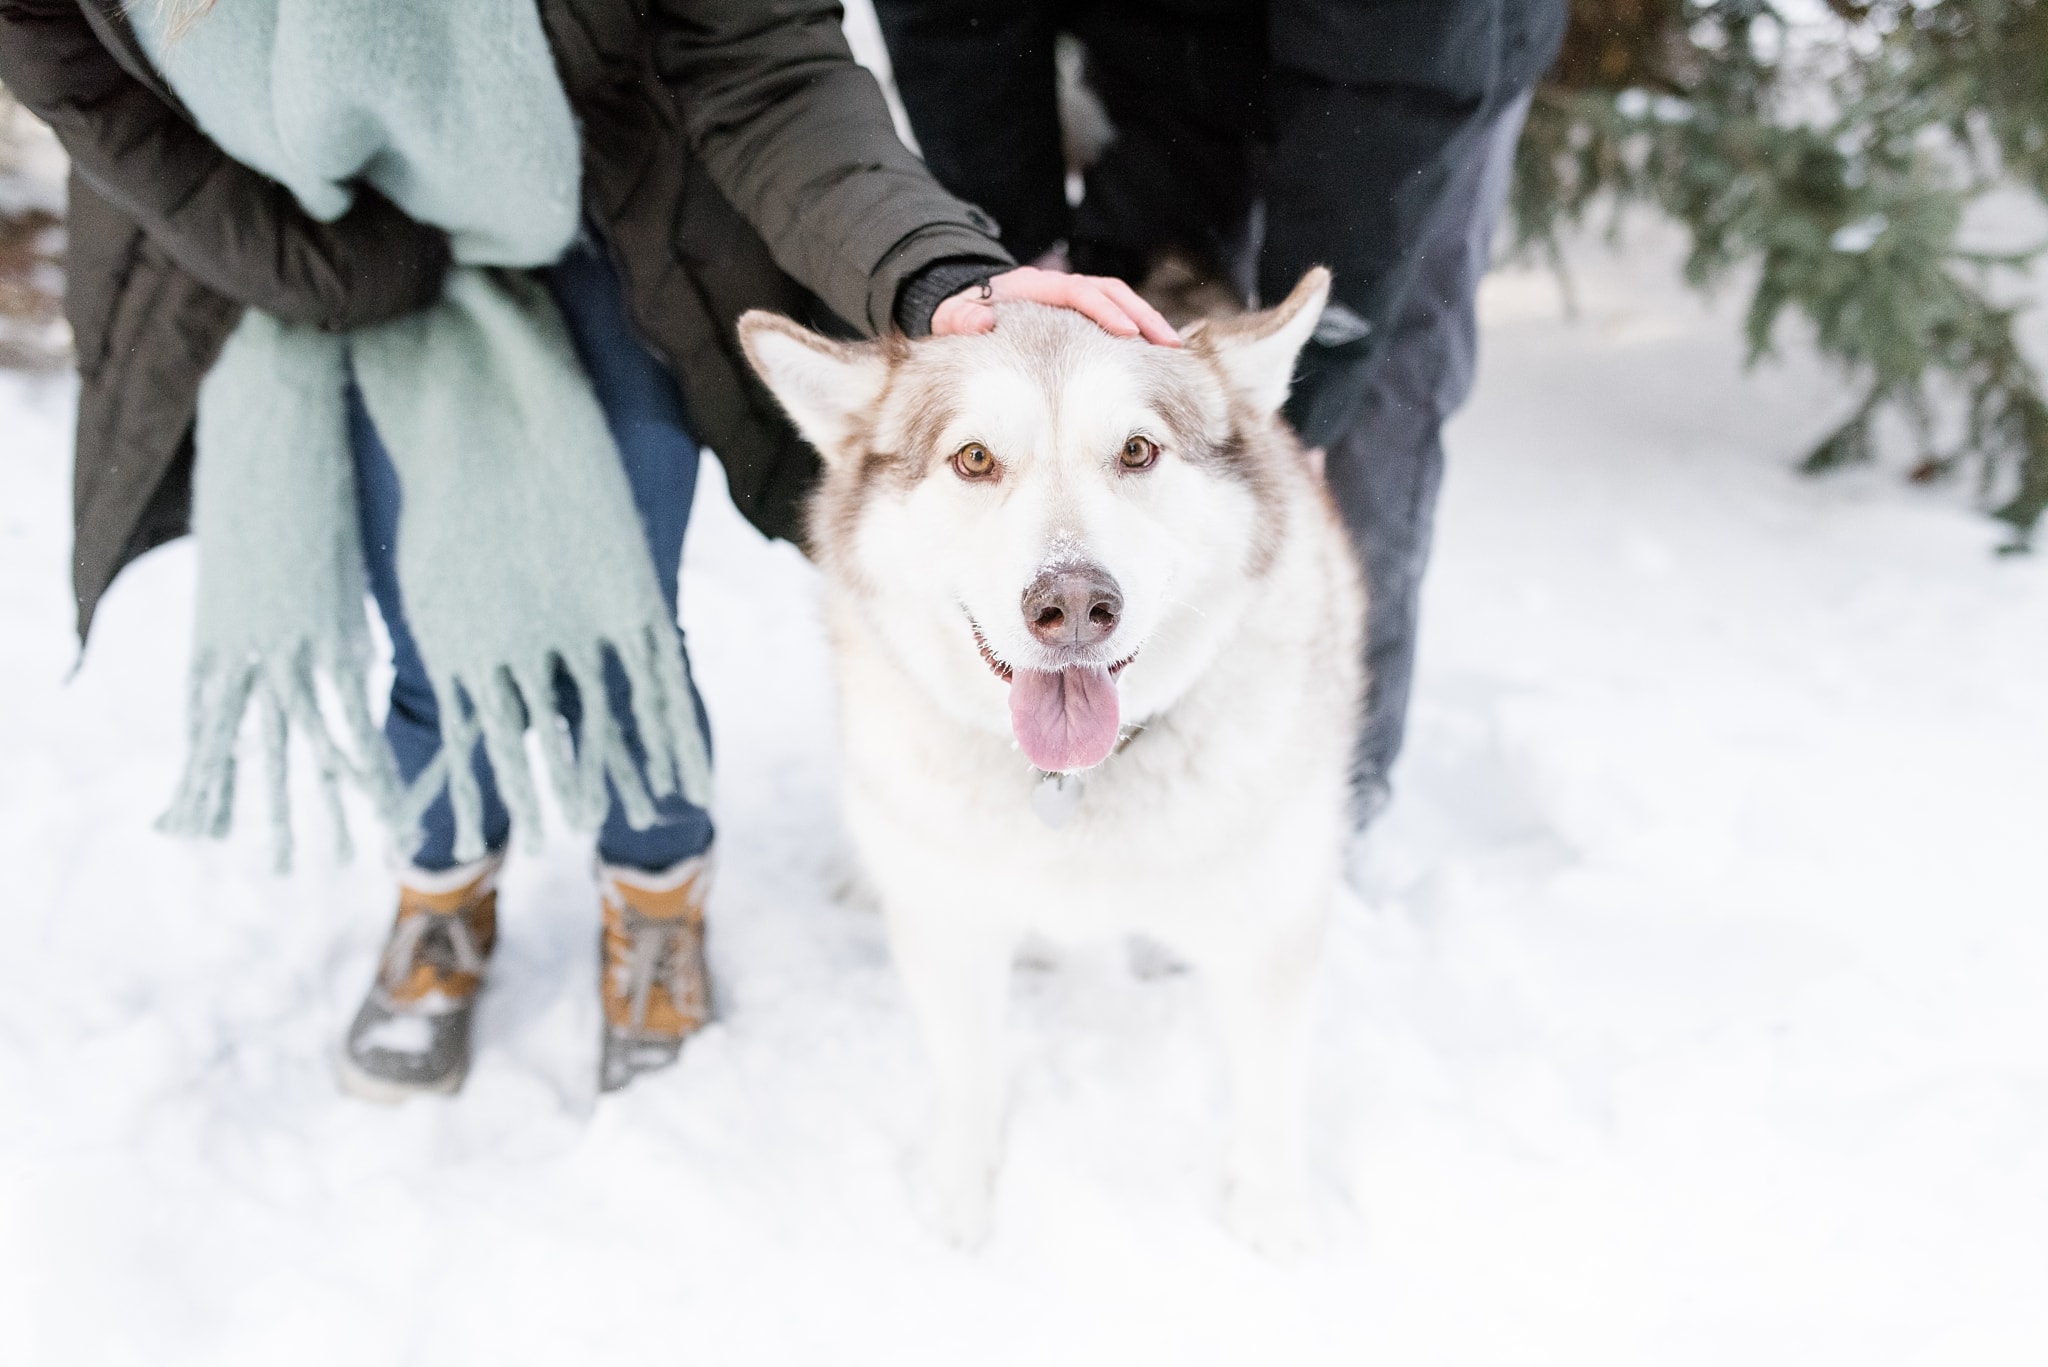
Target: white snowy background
[(1696, 1014)]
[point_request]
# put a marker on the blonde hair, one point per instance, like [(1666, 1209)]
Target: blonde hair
[(180, 15)]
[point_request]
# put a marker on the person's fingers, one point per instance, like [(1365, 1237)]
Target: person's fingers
[(1106, 301), (1028, 282), (1082, 293), (1087, 298), (962, 315), (946, 317), (1032, 285), (1150, 321)]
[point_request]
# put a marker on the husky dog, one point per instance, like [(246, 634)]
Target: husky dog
[(1097, 633)]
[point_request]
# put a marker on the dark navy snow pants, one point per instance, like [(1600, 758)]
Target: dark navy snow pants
[(1387, 465)]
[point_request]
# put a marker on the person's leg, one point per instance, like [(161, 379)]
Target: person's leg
[(645, 413), (653, 883), (411, 1034), (1386, 468), (1181, 86), (413, 725), (977, 80)]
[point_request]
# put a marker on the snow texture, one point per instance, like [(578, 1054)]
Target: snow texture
[(1696, 1014)]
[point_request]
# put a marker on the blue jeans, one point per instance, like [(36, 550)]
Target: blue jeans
[(645, 413)]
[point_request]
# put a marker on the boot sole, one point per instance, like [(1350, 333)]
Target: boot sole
[(382, 1091)]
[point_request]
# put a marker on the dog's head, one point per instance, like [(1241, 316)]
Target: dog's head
[(1026, 513)]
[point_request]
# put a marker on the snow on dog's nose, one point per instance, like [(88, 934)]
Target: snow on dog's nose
[(1066, 718), (1072, 607)]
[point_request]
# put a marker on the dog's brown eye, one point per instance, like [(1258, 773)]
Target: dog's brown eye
[(1139, 453), (973, 461)]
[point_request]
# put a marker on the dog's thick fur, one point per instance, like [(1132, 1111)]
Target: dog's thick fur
[(1217, 828)]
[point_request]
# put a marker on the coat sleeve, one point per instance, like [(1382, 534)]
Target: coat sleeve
[(798, 137), (231, 228)]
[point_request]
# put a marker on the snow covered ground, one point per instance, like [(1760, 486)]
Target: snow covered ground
[(1697, 1015)]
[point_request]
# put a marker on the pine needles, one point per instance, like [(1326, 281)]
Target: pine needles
[(1835, 158)]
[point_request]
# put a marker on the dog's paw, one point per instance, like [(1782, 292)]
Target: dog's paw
[(956, 1199), (1273, 1218)]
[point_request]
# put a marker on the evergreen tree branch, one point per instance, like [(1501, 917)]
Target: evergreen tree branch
[(1838, 168)]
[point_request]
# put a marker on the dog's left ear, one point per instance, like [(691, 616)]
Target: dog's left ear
[(824, 386), (1257, 350)]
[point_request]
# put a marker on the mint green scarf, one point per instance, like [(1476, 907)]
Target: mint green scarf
[(519, 552)]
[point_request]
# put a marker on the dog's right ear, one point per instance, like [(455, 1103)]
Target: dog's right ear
[(824, 386), (1257, 350)]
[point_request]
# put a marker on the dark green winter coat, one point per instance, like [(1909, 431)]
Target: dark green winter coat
[(734, 157)]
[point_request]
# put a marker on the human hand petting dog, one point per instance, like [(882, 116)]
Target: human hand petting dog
[(1111, 304)]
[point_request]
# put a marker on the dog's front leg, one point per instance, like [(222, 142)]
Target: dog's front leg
[(1261, 988), (956, 970)]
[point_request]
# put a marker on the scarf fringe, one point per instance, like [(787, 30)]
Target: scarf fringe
[(285, 695), (585, 761)]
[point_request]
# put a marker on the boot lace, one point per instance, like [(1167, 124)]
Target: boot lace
[(441, 939), (659, 950)]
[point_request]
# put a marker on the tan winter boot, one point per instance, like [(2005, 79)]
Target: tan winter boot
[(653, 981), (411, 1036)]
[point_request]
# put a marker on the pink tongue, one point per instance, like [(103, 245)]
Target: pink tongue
[(1065, 720)]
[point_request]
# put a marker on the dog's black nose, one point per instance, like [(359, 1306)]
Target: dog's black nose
[(1073, 605)]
